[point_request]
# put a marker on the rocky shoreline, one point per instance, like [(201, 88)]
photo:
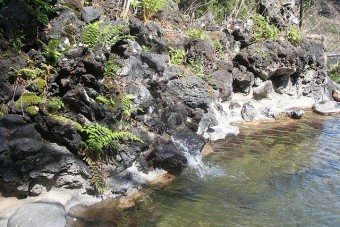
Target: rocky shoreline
[(134, 86)]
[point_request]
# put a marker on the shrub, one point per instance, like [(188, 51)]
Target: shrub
[(294, 36), (176, 56), (51, 53), (262, 30), (102, 32), (195, 33)]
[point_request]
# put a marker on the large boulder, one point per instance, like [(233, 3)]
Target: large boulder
[(165, 155), (192, 91), (30, 166), (269, 58), (188, 141), (222, 80), (39, 214)]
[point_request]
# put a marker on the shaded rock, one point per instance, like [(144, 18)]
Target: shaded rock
[(65, 25), (136, 70), (222, 81), (165, 155), (206, 121), (191, 90), (241, 31), (327, 107), (198, 50), (95, 60), (158, 62), (39, 214), (89, 14), (206, 22), (188, 141), (270, 58), (264, 90), (294, 113), (155, 125), (248, 112), (75, 51), (59, 130), (243, 79)]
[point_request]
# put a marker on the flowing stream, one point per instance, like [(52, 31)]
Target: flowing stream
[(282, 173)]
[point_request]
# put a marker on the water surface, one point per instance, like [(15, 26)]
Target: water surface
[(282, 173)]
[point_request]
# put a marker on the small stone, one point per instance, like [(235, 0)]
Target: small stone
[(248, 111), (89, 14), (295, 113)]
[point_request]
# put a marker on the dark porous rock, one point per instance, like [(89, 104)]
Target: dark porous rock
[(327, 107), (65, 25), (75, 51), (192, 91), (127, 48), (207, 22), (155, 125), (158, 62), (313, 54), (188, 141), (197, 48), (265, 90), (269, 58), (59, 130), (30, 166), (174, 115), (243, 79), (241, 31), (136, 70), (166, 156), (149, 34), (295, 113), (248, 112), (89, 14), (207, 121), (95, 60), (12, 121), (143, 98), (39, 214), (222, 80)]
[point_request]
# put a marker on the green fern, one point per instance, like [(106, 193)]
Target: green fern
[(102, 32), (51, 53), (128, 104), (105, 101)]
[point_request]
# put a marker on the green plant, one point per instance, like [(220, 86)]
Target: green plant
[(54, 104), (198, 67), (294, 36), (105, 101), (145, 49), (334, 72), (262, 30), (17, 41), (41, 10), (28, 99), (151, 7), (111, 68), (27, 73), (99, 143), (103, 32), (51, 53), (127, 102), (176, 56), (196, 33)]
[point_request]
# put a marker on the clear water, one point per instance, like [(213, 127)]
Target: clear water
[(285, 173)]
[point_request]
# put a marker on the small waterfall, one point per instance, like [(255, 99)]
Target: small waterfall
[(193, 154)]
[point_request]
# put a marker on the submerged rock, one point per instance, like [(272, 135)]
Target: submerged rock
[(39, 214)]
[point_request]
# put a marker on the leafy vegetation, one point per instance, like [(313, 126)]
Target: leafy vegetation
[(103, 32), (262, 30), (54, 104), (151, 7), (176, 56), (294, 36), (111, 68), (28, 99), (27, 73), (196, 33), (51, 53), (128, 104), (198, 67), (99, 143), (334, 72), (105, 101)]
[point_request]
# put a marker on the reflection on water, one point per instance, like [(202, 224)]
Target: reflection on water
[(287, 174)]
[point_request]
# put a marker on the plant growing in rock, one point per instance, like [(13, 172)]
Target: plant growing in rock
[(105, 101), (27, 73), (111, 68), (54, 104), (262, 30), (196, 33), (176, 56), (128, 104), (198, 67), (50, 51), (151, 7), (294, 36), (101, 143), (103, 32)]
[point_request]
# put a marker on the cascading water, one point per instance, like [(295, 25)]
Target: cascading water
[(192, 151)]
